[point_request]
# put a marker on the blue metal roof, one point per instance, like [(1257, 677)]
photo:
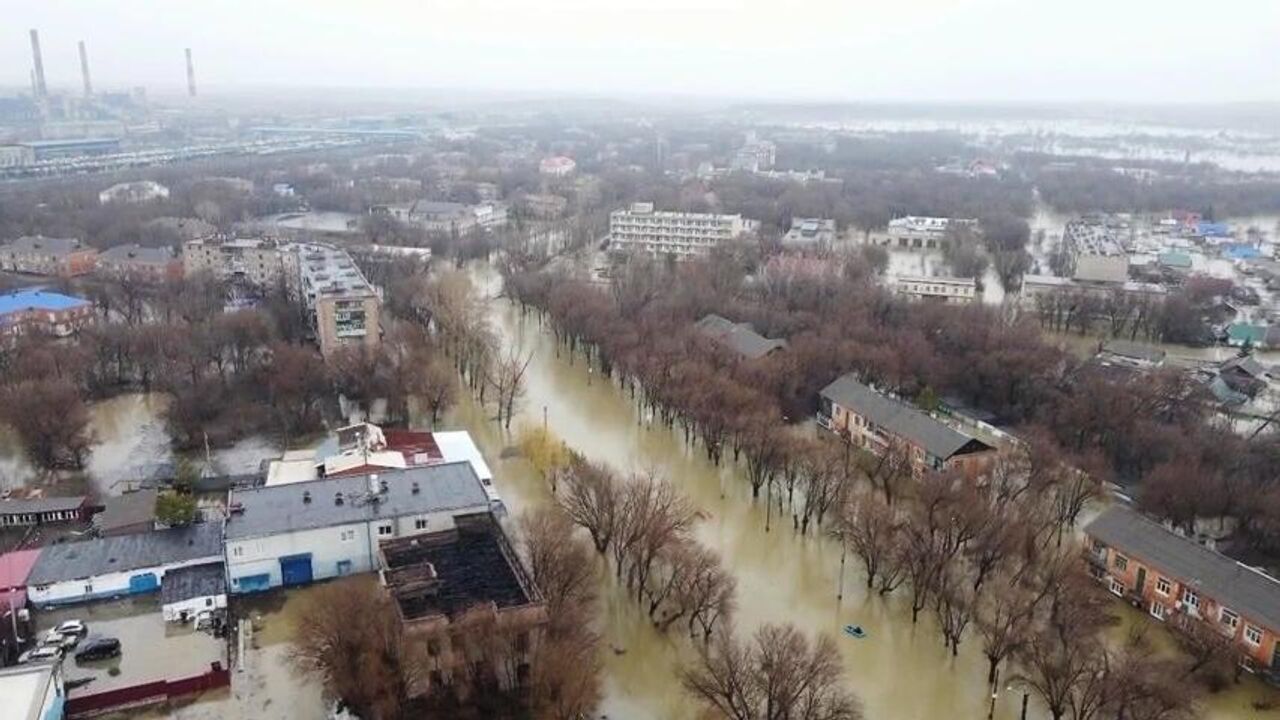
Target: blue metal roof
[(37, 299)]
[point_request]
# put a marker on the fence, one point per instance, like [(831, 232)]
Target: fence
[(145, 694)]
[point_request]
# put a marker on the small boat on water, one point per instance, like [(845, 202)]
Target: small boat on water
[(855, 631)]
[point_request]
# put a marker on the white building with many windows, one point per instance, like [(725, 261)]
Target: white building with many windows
[(950, 290), (640, 228), (299, 532)]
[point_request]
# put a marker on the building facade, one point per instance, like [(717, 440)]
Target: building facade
[(948, 290), (33, 692), (1093, 254), (1177, 580), (53, 257), (259, 261), (51, 313), (640, 228), (345, 309), (810, 232), (43, 511), (919, 233), (292, 534), (881, 424)]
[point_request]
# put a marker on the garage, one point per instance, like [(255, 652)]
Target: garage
[(295, 569), (143, 583)]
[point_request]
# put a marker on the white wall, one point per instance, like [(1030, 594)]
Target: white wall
[(173, 611), (104, 586)]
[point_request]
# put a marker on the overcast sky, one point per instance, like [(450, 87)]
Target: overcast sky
[(926, 50)]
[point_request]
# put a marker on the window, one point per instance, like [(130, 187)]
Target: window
[(1163, 586), (1229, 617), (208, 602), (237, 551), (420, 524), (88, 588), (384, 529), (1190, 599), (1122, 562), (348, 535), (1252, 635), (1158, 611), (1117, 588)]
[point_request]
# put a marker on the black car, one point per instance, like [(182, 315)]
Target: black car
[(98, 649)]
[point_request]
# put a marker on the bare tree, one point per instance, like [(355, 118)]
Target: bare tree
[(506, 377), (592, 500), (777, 674), (869, 527)]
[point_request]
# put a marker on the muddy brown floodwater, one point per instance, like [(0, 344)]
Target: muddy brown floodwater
[(900, 670)]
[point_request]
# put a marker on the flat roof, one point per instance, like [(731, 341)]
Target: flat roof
[(23, 688), (1249, 592), (275, 509), (122, 553), (131, 508)]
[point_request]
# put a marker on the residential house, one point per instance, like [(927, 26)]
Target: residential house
[(295, 533), (138, 263), (42, 311), (876, 423), (470, 569), (112, 567), (43, 511), (740, 338), (54, 257), (1176, 579)]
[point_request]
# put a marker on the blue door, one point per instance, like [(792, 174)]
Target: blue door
[(253, 583), (143, 583), (295, 569)]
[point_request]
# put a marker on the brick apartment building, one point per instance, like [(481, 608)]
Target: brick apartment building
[(1175, 579), (54, 257), (42, 311), (142, 264), (875, 422)]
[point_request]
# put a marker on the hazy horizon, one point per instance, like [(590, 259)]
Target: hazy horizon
[(914, 51)]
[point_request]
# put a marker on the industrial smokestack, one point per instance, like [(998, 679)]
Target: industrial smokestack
[(41, 89), (84, 71), (191, 75)]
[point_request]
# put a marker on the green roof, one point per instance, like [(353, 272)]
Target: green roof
[(1243, 332), (1175, 259)]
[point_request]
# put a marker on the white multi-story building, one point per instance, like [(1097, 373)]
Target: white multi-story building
[(950, 290), (755, 156), (133, 192), (914, 231), (299, 532), (681, 234)]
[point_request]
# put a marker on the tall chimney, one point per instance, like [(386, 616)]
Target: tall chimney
[(191, 75), (41, 89), (88, 86)]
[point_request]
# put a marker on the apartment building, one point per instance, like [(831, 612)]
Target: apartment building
[(640, 228), (1093, 254), (345, 309), (54, 257), (754, 155), (259, 261), (877, 423), (920, 233), (143, 264), (948, 290), (37, 310), (810, 232), (448, 217), (1176, 579)]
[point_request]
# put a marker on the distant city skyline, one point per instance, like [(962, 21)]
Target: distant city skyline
[(1139, 51)]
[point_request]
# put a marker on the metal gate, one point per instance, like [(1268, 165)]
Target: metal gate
[(295, 569), (144, 583)]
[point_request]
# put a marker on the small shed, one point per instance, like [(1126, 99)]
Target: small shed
[(187, 592)]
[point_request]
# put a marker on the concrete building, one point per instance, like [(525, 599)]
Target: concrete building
[(188, 592), (880, 424), (1178, 580), (557, 166), (56, 257), (1039, 289), (133, 192), (544, 206), (42, 150), (739, 338), (299, 532), (141, 264), (1132, 354), (448, 217), (472, 570), (810, 232), (36, 310), (949, 290), (132, 512), (33, 692), (1093, 254), (345, 309), (640, 228), (43, 511), (754, 156), (262, 262), (113, 567), (919, 233)]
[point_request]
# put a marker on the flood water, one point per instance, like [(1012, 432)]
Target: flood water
[(900, 671)]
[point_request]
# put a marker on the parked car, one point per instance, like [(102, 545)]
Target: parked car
[(98, 649), (72, 627), (53, 638), (40, 653)]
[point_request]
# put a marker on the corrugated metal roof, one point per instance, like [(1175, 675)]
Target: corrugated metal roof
[(1252, 594), (41, 505), (193, 582), (897, 417), (90, 558), (281, 508), (739, 337), (38, 300)]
